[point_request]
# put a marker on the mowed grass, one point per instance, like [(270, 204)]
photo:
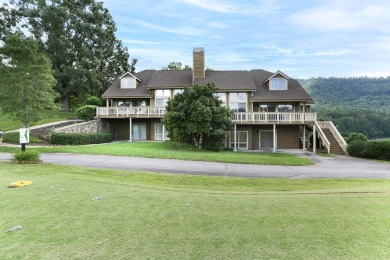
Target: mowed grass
[(139, 215), (171, 150), (7, 124)]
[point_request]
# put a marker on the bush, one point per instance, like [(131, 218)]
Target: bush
[(94, 101), (13, 138), (27, 157), (377, 150), (213, 143), (356, 148), (86, 113), (80, 139), (356, 136)]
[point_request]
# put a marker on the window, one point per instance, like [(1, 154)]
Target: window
[(139, 103), (128, 82), (278, 84), (159, 134), (177, 91), (285, 108), (162, 97), (267, 108), (237, 102), (241, 139), (123, 103), (222, 97)]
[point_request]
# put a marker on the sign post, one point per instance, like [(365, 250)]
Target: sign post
[(24, 137)]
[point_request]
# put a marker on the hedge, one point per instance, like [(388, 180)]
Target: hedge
[(379, 150), (80, 139)]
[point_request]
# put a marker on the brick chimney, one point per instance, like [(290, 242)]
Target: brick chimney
[(198, 71)]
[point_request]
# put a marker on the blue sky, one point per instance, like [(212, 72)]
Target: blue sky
[(301, 38)]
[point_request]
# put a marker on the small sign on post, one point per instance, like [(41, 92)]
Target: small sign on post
[(24, 137)]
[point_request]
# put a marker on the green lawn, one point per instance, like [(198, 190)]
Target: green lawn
[(7, 124), (170, 150), (157, 216)]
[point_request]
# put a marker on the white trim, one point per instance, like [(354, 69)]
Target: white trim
[(131, 75), (236, 142), (277, 73)]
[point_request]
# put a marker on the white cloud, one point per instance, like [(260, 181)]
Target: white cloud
[(138, 42), (188, 30)]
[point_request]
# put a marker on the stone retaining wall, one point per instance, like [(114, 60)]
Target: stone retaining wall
[(94, 126), (44, 132)]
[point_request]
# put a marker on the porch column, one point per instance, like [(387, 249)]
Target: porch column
[(314, 139), (274, 132), (131, 130), (304, 138), (163, 133), (107, 102), (235, 138)]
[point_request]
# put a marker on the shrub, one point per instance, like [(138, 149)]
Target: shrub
[(356, 148), (80, 138), (13, 138), (86, 113), (26, 157), (377, 150), (94, 101), (213, 143), (356, 136)]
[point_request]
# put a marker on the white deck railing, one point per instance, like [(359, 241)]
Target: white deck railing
[(130, 111), (237, 117), (323, 138), (271, 118), (339, 138)]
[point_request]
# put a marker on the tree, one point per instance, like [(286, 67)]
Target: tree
[(79, 38), (197, 115), (26, 80), (176, 65)]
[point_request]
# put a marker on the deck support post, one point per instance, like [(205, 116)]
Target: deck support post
[(163, 132), (274, 132), (131, 130), (304, 138), (314, 139), (235, 138)]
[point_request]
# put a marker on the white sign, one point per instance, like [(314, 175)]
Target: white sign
[(24, 136)]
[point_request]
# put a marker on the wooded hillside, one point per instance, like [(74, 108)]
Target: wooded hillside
[(353, 104)]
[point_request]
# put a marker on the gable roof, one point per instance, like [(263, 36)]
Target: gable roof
[(275, 74), (254, 81), (131, 75)]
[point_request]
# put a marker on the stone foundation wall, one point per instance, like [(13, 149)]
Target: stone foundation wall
[(94, 126)]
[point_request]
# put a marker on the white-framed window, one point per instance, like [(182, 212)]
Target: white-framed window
[(123, 103), (162, 97), (285, 108), (222, 97), (138, 103), (177, 91), (160, 133), (278, 84), (128, 82), (241, 139), (238, 101)]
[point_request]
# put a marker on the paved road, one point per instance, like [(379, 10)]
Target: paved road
[(325, 167)]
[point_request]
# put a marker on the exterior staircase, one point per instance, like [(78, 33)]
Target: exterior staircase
[(331, 137), (335, 148)]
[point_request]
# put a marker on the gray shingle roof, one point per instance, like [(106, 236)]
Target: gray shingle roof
[(115, 91), (224, 80)]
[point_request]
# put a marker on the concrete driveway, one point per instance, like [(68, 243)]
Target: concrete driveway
[(325, 167)]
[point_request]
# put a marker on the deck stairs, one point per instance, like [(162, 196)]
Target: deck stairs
[(332, 139)]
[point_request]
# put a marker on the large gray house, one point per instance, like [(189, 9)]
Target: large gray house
[(271, 110)]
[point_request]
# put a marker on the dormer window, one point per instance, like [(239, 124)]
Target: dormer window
[(128, 82), (278, 84)]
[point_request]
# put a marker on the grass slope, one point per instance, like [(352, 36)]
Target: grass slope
[(7, 124), (156, 216), (171, 150)]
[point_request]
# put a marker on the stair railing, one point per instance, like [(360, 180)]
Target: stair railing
[(340, 140), (323, 138)]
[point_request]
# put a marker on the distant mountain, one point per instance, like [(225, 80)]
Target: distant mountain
[(359, 93), (353, 104)]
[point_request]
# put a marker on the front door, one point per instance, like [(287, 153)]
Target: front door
[(139, 132), (266, 140)]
